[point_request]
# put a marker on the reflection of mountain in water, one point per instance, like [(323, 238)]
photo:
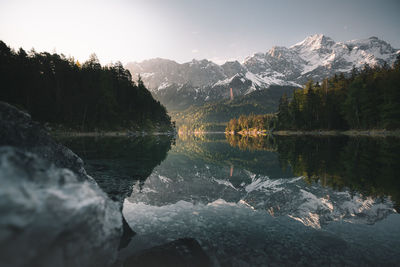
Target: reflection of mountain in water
[(314, 205), (369, 166), (246, 211), (203, 172)]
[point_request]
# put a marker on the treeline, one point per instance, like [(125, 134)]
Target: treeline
[(367, 99), (252, 123), (88, 96)]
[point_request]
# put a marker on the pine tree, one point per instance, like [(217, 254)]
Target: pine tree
[(283, 112)]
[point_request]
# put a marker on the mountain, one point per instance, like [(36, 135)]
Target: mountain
[(179, 86)]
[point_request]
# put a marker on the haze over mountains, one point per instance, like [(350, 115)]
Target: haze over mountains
[(178, 86)]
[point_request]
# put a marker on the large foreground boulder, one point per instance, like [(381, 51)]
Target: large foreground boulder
[(50, 218), (17, 129), (51, 212)]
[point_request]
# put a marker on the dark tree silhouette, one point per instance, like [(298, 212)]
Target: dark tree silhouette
[(88, 96)]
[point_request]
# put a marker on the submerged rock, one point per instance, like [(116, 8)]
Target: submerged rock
[(50, 218), (179, 253)]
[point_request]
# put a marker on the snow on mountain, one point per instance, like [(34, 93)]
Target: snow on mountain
[(316, 57), (157, 72), (325, 57)]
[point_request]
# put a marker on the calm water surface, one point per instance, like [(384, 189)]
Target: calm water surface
[(256, 201)]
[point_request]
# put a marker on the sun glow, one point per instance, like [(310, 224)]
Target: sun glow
[(111, 30)]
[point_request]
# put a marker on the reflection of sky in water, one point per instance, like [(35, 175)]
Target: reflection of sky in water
[(246, 217)]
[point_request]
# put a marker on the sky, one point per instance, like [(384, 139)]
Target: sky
[(218, 30)]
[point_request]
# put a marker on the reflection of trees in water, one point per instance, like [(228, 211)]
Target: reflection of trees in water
[(116, 163), (186, 135), (214, 149), (366, 165), (245, 142)]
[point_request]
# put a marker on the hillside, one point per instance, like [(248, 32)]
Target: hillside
[(214, 116), (366, 100)]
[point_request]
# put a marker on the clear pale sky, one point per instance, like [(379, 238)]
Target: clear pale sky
[(218, 30)]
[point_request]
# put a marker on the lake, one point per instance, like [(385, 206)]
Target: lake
[(256, 201)]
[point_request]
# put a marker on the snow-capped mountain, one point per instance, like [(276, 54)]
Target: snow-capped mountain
[(316, 57)]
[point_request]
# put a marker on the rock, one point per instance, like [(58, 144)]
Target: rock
[(18, 130), (179, 253), (49, 217), (53, 214), (51, 211)]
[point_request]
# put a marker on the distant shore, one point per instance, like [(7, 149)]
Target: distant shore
[(372, 133)]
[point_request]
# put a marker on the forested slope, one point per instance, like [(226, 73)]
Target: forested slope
[(367, 99), (88, 96)]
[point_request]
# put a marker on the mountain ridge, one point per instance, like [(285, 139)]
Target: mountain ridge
[(316, 57)]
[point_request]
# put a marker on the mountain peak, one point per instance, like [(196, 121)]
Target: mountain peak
[(315, 41), (372, 43), (201, 62)]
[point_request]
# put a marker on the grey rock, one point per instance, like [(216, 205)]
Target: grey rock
[(231, 68), (17, 129), (51, 211), (48, 217)]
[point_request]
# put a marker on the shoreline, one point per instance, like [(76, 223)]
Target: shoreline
[(106, 134), (370, 133)]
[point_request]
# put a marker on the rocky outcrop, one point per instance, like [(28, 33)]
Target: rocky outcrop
[(51, 212), (17, 129), (51, 217)]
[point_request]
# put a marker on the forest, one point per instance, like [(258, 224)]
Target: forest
[(368, 98), (252, 123), (84, 96)]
